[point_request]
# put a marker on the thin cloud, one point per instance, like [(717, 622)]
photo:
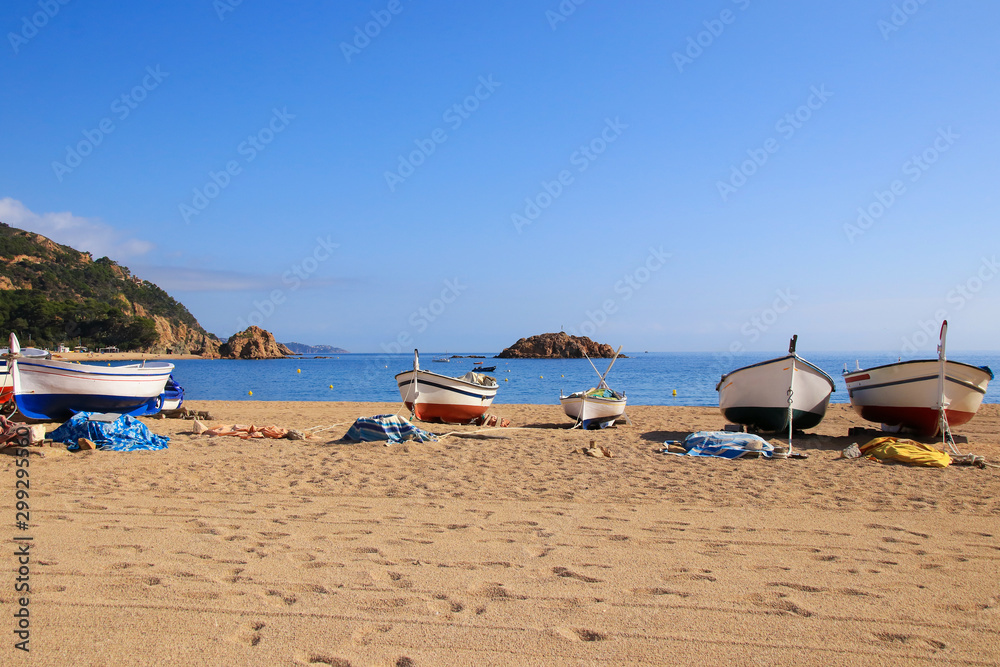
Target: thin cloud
[(84, 234), (181, 279)]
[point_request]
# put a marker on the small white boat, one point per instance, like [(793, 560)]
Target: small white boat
[(55, 390), (599, 406), (912, 394), (764, 395), (594, 407), (432, 397)]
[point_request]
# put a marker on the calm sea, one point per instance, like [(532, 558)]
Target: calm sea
[(647, 378)]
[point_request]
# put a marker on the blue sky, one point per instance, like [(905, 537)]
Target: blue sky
[(714, 176)]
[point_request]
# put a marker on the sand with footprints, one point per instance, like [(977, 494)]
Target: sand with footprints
[(509, 549)]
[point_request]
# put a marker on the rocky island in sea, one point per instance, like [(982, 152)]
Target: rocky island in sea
[(557, 346), (253, 343)]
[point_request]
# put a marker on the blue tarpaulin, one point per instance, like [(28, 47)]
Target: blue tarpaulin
[(386, 427), (124, 434), (725, 444)]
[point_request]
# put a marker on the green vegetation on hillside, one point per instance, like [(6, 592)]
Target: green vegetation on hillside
[(58, 295), (44, 323)]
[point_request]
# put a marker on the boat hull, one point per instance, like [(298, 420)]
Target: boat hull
[(6, 385), (592, 411), (772, 420), (439, 398), (906, 394), (756, 396), (170, 405), (55, 390), (172, 397)]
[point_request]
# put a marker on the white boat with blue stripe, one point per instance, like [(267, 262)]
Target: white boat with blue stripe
[(439, 398), (55, 390)]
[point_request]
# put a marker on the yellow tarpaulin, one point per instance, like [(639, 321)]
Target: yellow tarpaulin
[(906, 451)]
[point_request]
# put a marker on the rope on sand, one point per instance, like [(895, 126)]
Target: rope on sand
[(483, 430), (320, 429)]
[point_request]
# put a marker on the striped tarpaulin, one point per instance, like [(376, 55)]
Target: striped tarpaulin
[(386, 427)]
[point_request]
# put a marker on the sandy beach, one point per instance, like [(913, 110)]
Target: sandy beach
[(510, 549)]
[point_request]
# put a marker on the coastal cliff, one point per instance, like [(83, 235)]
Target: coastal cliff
[(557, 346), (52, 294)]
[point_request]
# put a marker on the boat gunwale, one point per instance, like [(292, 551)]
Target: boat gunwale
[(982, 369), (925, 378), (820, 371), (594, 399), (482, 387), (155, 368)]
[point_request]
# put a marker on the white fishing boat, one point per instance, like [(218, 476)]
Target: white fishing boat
[(594, 407), (764, 396), (55, 390), (432, 397), (914, 395), (599, 406)]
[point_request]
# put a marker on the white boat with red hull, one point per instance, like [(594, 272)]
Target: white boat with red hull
[(914, 395), (432, 397), (906, 393)]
